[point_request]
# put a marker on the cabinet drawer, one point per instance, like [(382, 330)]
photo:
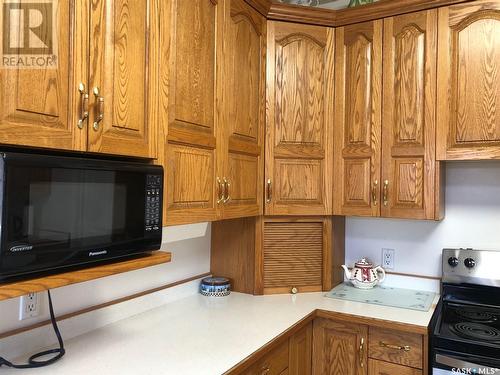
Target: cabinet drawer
[(396, 347), (275, 363), (384, 368)]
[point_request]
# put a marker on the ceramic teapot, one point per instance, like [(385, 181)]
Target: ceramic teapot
[(364, 275)]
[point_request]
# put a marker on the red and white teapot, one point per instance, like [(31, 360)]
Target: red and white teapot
[(364, 275)]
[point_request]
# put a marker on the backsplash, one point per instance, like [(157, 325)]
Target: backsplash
[(190, 247), (472, 219)]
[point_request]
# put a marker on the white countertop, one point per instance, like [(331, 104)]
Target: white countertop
[(199, 335)]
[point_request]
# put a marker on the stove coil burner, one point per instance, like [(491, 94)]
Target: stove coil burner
[(477, 331), (477, 316)]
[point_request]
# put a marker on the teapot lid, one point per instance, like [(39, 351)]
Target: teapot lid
[(364, 263)]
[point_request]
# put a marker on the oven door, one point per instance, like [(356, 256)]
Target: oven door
[(63, 211), (445, 363)]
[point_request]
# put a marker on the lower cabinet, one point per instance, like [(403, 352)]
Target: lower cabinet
[(339, 348), (383, 368)]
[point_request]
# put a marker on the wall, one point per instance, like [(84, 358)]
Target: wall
[(472, 220), (190, 247)]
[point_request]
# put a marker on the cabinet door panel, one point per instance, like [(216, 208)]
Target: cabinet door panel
[(188, 114), (301, 352), (384, 368), (300, 97), (124, 45), (408, 131), (358, 80), (468, 86), (40, 106), (243, 77), (339, 348)]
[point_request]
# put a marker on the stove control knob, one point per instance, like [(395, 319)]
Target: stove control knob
[(470, 263), (453, 261)]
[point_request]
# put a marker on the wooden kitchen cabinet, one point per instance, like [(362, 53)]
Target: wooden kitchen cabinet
[(213, 111), (111, 110), (385, 143), (468, 115), (339, 348), (383, 368), (41, 107), (268, 255), (299, 145), (300, 362)]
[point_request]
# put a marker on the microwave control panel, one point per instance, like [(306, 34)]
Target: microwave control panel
[(153, 203)]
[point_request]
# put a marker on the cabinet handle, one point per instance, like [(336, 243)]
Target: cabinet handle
[(265, 370), (404, 348), (99, 113), (386, 192), (227, 186), (362, 353), (374, 192), (220, 191), (269, 191), (84, 105)]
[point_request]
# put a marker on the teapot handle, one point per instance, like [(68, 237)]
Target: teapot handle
[(382, 271)]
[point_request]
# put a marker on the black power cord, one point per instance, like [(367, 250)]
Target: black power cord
[(32, 361)]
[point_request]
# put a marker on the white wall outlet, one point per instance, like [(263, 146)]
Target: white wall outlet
[(29, 306), (388, 258)]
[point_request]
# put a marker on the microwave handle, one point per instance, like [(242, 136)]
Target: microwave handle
[(459, 363)]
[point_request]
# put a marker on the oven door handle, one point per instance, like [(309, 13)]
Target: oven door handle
[(458, 364)]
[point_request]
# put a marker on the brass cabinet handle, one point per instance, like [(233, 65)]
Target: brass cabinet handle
[(265, 370), (404, 348), (84, 105), (269, 191), (227, 186), (386, 192), (362, 353), (99, 113), (220, 191), (374, 192)]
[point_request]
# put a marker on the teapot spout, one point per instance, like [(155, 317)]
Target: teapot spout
[(347, 272)]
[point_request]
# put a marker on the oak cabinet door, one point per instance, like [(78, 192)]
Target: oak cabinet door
[(40, 104), (243, 80), (385, 368), (408, 126), (300, 117), (358, 82), (300, 362), (188, 111), (468, 81), (339, 348), (124, 77)]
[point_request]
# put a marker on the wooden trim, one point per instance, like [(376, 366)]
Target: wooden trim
[(261, 6), (301, 14), (413, 275), (335, 18), (100, 306), (21, 288)]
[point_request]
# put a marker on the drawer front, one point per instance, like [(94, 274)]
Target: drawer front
[(275, 363), (384, 368), (396, 347)]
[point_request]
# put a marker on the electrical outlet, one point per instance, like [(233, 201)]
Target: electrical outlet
[(29, 306), (388, 258)]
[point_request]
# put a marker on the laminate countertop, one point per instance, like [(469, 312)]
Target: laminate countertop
[(199, 335)]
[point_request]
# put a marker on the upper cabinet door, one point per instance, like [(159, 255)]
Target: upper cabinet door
[(40, 102), (299, 143), (123, 77), (358, 83), (469, 81), (189, 115), (243, 80), (408, 126)]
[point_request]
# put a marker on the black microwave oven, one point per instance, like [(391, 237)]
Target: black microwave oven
[(62, 211)]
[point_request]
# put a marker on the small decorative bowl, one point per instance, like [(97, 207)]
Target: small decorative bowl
[(215, 287)]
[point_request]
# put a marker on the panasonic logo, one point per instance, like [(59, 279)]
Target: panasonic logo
[(20, 248), (96, 253)]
